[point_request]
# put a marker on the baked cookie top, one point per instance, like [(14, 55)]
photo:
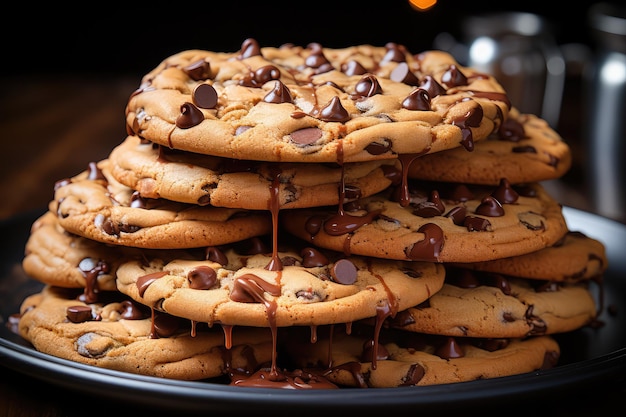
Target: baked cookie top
[(315, 104), (441, 222), (488, 305), (241, 285), (120, 334), (523, 149), (157, 171), (576, 257), (405, 358), (95, 205)]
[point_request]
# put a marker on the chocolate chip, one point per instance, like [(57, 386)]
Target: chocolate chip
[(199, 70), (476, 224), (306, 136), (144, 281), (367, 355), (265, 74), (418, 99), (511, 130), (377, 148), (190, 116), (344, 272), (402, 74), (353, 67), (457, 214), (79, 313), (202, 278), (95, 173), (394, 53), (491, 207), (86, 348), (432, 86), (250, 47), (334, 111), (368, 86), (453, 77), (450, 349), (312, 257), (279, 94), (214, 254), (414, 375), (131, 310), (165, 325), (505, 194), (205, 96)]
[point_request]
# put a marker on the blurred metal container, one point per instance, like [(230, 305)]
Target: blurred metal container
[(606, 135)]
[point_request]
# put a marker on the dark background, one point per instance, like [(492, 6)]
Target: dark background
[(113, 39)]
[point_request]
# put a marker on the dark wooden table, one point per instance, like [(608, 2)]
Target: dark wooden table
[(51, 129)]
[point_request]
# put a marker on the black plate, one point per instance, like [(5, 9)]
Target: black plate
[(589, 356)]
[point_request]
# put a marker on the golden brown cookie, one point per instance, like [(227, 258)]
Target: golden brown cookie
[(250, 286), (407, 358), (156, 171), (524, 149), (58, 258), (118, 334), (315, 104), (483, 304), (96, 206), (440, 222), (576, 257)]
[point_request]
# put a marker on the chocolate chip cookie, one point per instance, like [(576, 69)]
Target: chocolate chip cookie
[(523, 149), (402, 358), (483, 304), (576, 257), (315, 104), (118, 334), (250, 285), (441, 222), (156, 171), (96, 206)]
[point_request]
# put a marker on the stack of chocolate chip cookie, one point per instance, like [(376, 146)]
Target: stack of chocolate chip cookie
[(308, 217)]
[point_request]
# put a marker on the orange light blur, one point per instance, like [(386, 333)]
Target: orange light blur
[(422, 5)]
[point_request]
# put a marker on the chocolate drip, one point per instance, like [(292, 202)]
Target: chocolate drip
[(430, 247), (90, 270)]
